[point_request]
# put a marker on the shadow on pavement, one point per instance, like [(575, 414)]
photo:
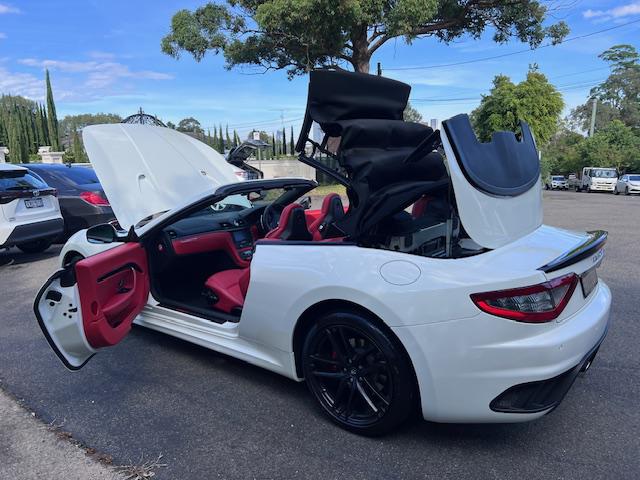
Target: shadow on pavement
[(13, 256)]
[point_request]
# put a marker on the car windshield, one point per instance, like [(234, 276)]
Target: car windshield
[(604, 173), (634, 178), (13, 182), (560, 178)]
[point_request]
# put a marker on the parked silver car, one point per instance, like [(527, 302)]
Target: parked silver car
[(628, 184)]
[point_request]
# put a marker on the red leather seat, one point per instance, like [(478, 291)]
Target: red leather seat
[(230, 288), (332, 210), (420, 207), (292, 225)]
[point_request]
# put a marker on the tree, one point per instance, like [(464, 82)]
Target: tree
[(292, 146), (70, 123), (189, 124), (236, 139), (273, 145), (284, 141), (618, 97), (221, 141), (77, 148), (533, 100), (52, 124), (227, 137), (560, 154), (410, 114), (615, 145), (299, 35)]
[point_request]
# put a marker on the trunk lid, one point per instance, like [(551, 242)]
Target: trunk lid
[(146, 169), (497, 184)]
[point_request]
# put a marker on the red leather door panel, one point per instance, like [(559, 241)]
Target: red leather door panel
[(114, 288)]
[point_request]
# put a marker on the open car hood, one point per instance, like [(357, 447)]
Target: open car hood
[(497, 184), (146, 169)]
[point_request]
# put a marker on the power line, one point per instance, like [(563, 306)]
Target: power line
[(493, 57)]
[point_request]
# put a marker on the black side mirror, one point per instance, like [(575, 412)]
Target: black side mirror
[(306, 202), (105, 233)]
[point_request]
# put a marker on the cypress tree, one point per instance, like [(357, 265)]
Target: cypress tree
[(284, 141), (221, 141), (292, 146), (52, 122), (77, 148), (214, 142), (228, 139), (236, 139), (273, 144)]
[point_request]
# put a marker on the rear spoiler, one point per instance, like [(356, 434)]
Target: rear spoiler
[(590, 246)]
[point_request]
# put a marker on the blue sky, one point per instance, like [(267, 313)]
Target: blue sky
[(104, 56)]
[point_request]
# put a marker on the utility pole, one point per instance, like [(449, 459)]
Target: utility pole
[(592, 126), (379, 69)]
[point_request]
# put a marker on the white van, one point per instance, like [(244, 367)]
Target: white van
[(29, 211), (598, 179)]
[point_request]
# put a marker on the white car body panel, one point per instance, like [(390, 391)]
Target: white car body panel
[(492, 221), (15, 213), (625, 184), (454, 347), (146, 169)]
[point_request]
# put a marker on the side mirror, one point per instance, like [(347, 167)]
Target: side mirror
[(105, 233), (306, 202)]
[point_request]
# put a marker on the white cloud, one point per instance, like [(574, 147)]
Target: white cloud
[(632, 8), (24, 84), (100, 74), (3, 35), (4, 8)]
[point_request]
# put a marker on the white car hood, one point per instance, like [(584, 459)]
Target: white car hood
[(146, 169)]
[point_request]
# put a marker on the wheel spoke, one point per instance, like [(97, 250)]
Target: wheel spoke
[(335, 345), (365, 396), (375, 391), (339, 392), (347, 348), (364, 352), (329, 374), (329, 361), (347, 409)]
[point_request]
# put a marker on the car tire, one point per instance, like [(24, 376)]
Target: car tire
[(615, 191), (35, 246), (359, 375), (626, 190)]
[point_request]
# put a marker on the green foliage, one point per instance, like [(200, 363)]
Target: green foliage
[(618, 96), (23, 127), (299, 35), (189, 124), (292, 145), (410, 114), (52, 121), (71, 123), (284, 141), (533, 100), (615, 145)]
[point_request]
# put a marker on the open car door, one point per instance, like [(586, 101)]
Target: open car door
[(91, 304), (497, 184)]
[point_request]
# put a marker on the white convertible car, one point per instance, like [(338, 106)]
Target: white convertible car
[(438, 288)]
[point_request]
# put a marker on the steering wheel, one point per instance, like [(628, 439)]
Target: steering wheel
[(270, 217)]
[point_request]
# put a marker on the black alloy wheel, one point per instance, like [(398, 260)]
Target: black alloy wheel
[(358, 375), (35, 246)]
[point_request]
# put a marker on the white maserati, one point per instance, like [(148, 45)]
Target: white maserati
[(437, 288)]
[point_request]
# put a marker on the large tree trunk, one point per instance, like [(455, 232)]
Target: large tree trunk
[(360, 46)]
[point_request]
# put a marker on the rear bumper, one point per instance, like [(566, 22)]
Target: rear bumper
[(463, 366), (30, 232), (79, 215)]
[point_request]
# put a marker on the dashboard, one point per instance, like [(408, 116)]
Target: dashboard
[(233, 232)]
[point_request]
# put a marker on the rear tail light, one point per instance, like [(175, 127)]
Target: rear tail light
[(94, 198), (534, 304)]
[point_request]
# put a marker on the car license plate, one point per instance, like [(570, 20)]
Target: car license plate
[(588, 280), (34, 203)]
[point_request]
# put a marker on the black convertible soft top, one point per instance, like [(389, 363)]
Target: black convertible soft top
[(389, 163)]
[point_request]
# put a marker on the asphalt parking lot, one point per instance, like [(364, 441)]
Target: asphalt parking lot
[(212, 416)]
